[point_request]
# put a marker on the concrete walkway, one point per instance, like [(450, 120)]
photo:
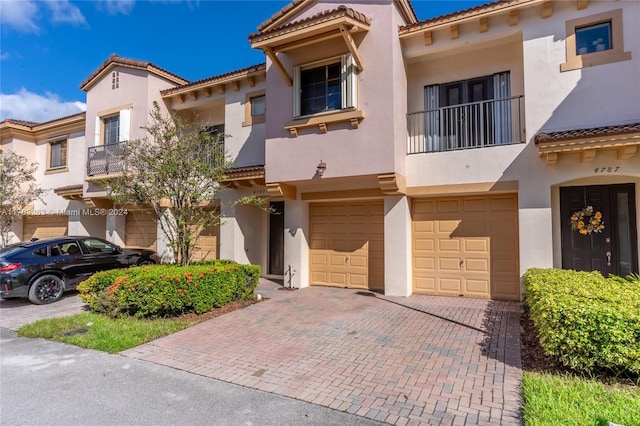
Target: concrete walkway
[(416, 360)]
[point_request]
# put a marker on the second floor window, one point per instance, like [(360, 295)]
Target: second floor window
[(258, 106), (593, 38), (58, 154), (111, 130), (325, 86)]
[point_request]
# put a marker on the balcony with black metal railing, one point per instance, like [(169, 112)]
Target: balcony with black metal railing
[(472, 125), (112, 159), (106, 159)]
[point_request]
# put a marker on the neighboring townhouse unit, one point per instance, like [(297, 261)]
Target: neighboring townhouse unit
[(440, 157)]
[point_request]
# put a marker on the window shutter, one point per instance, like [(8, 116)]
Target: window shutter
[(125, 121), (96, 131), (297, 95), (349, 82)]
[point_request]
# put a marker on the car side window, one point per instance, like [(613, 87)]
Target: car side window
[(55, 250), (42, 251), (70, 248), (98, 246)]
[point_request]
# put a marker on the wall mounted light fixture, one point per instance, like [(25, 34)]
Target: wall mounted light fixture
[(322, 166)]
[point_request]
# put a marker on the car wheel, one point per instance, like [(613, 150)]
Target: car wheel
[(46, 289), (143, 262)]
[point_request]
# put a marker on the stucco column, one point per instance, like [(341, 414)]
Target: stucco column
[(397, 246), (296, 244), (535, 216), (162, 242), (116, 225), (230, 235)]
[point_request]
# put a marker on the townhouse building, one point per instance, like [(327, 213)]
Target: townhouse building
[(440, 157)]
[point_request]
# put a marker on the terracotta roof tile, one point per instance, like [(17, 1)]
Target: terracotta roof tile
[(279, 13), (619, 129), (115, 59), (69, 188), (312, 20), (33, 124), (20, 122)]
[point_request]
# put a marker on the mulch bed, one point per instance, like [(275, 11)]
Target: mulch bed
[(216, 312)]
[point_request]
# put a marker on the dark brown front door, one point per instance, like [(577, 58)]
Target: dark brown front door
[(276, 238), (613, 250)]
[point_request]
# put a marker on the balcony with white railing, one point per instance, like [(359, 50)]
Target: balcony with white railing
[(465, 126)]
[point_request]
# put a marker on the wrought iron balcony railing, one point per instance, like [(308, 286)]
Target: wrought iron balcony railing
[(106, 159), (110, 159), (472, 125)]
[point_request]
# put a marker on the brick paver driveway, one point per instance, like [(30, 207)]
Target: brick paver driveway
[(415, 360)]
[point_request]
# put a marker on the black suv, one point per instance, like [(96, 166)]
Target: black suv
[(43, 269)]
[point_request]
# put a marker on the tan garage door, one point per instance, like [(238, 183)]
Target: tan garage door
[(44, 226), (206, 247), (466, 246), (347, 244), (141, 229)]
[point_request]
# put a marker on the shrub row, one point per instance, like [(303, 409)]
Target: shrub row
[(168, 290), (588, 322)]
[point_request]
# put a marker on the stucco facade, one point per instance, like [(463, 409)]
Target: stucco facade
[(444, 156)]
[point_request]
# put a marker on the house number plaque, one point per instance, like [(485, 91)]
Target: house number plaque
[(610, 169)]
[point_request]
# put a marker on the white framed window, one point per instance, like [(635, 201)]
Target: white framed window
[(325, 86)]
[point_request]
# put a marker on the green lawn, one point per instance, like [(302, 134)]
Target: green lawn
[(555, 400), (94, 331)]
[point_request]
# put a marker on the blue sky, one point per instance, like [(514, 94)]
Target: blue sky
[(47, 48)]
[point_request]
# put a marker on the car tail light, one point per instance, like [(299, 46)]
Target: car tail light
[(10, 267)]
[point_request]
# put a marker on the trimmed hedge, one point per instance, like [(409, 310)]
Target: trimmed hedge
[(168, 290), (588, 322)]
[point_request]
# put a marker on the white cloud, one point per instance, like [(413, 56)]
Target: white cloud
[(19, 15), (4, 55), (28, 106), (64, 12), (115, 7)]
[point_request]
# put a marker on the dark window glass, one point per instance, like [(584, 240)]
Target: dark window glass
[(112, 130), (593, 38), (321, 89), (58, 154)]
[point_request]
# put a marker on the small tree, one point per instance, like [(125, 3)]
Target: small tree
[(18, 189), (176, 169)]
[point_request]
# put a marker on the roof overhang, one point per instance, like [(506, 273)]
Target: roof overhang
[(624, 139), (341, 23), (244, 177), (71, 192), (117, 61), (182, 97), (33, 132), (479, 14)]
